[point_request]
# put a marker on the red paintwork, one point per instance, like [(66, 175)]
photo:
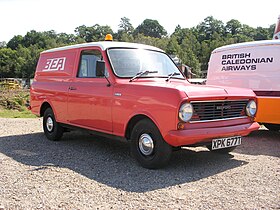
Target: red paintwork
[(93, 105), (179, 138)]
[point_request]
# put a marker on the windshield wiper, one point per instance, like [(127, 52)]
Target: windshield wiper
[(172, 75), (141, 73)]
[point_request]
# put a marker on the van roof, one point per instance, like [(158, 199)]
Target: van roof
[(105, 45), (246, 45)]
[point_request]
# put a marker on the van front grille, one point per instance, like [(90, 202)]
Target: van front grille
[(218, 110)]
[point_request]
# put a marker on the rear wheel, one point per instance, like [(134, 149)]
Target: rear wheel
[(221, 151), (148, 147), (52, 129), (272, 127)]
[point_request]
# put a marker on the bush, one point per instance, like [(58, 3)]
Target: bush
[(14, 99)]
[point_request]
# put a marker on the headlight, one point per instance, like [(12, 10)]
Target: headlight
[(186, 112), (251, 108)]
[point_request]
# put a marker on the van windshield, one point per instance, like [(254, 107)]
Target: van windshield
[(127, 63)]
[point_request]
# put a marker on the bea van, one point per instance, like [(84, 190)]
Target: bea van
[(254, 65), (135, 92)]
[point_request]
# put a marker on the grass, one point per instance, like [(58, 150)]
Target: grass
[(6, 113), (12, 104)]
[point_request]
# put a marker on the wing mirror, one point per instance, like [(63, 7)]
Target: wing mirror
[(100, 71), (100, 68)]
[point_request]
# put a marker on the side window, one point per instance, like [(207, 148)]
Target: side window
[(88, 60)]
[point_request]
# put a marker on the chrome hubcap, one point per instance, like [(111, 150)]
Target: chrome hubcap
[(49, 124), (146, 144)]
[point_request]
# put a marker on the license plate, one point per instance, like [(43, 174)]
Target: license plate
[(226, 142)]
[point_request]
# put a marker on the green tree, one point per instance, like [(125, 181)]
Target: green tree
[(93, 33), (189, 57), (189, 48), (233, 27), (271, 30), (157, 42), (28, 59), (9, 63), (124, 37), (191, 41), (180, 34), (68, 39), (173, 48), (84, 32), (204, 54), (207, 28), (3, 44), (34, 38), (262, 34), (125, 30), (125, 26), (15, 42), (238, 38), (247, 31), (151, 28)]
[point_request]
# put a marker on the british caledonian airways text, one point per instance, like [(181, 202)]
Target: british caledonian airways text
[(242, 61)]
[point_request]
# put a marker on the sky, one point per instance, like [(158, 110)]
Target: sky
[(17, 17)]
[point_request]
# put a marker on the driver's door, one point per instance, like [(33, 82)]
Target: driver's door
[(89, 97)]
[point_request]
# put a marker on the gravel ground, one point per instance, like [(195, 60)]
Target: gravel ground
[(88, 172)]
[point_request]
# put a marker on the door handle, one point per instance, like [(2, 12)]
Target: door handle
[(72, 88)]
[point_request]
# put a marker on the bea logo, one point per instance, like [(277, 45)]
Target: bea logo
[(55, 64)]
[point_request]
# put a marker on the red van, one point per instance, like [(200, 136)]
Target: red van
[(136, 92)]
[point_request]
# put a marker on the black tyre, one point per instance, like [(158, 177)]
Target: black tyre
[(272, 127), (221, 151), (52, 129), (148, 147)]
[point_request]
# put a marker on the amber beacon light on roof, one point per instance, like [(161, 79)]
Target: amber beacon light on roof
[(108, 37)]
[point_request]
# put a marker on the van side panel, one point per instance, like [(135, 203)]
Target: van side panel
[(51, 83), (56, 64)]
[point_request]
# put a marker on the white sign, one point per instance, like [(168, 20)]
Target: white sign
[(242, 61), (55, 64)]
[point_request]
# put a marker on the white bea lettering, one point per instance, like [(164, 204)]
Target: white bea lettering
[(55, 64)]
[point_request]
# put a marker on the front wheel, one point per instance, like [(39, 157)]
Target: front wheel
[(148, 147), (52, 129)]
